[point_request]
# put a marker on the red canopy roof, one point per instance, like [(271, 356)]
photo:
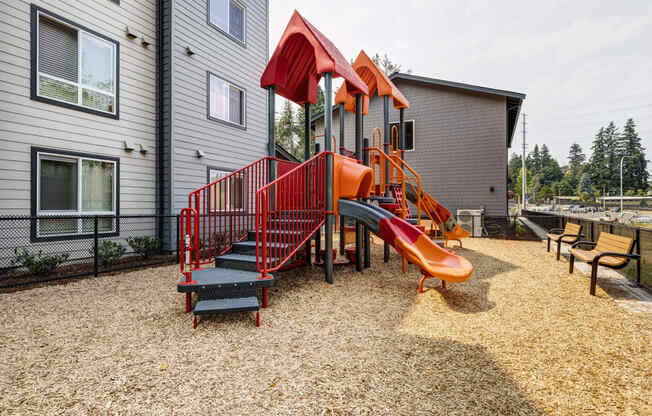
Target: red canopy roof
[(302, 56), (375, 79)]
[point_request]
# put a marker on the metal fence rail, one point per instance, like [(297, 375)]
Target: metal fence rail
[(42, 249), (592, 228)]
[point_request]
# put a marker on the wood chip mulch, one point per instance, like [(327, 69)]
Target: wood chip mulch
[(521, 337)]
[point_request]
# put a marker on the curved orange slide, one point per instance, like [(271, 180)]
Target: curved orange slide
[(409, 241), (438, 213)]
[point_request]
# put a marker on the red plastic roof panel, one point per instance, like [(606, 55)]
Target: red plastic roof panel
[(302, 56)]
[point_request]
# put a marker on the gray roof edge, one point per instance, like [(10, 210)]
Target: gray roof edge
[(453, 84)]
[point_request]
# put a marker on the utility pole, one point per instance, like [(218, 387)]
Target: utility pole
[(524, 199)]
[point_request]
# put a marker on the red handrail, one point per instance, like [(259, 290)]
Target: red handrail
[(288, 212), (223, 211)]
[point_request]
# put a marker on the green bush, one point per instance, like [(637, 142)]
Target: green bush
[(108, 252), (144, 246), (39, 263)]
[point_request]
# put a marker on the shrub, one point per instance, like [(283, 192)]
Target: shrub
[(108, 252), (144, 246), (39, 263)]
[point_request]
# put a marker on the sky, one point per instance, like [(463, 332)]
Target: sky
[(581, 63)]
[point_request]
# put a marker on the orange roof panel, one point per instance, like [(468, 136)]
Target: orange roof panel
[(376, 80), (301, 57)]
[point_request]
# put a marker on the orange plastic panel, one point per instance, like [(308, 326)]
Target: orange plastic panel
[(350, 179)]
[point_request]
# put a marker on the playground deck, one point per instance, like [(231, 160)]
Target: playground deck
[(521, 336)]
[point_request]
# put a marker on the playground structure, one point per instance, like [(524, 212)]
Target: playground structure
[(261, 219)]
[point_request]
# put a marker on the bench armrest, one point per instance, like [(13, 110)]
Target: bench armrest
[(572, 235), (556, 230), (584, 243), (615, 254)]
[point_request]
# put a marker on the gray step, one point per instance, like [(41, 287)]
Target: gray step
[(218, 278), (249, 247), (273, 233), (237, 261), (213, 306)]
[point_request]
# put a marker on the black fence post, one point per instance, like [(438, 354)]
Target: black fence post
[(592, 238), (95, 249), (640, 260), (611, 228), (178, 236)]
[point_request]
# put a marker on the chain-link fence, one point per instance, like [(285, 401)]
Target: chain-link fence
[(41, 249), (592, 228)]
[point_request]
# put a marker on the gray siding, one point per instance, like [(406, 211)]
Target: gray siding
[(460, 147), (225, 146), (25, 122)]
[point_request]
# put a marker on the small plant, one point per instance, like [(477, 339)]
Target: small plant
[(108, 252), (39, 263), (145, 246)]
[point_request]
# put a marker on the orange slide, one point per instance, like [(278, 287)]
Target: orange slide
[(438, 213), (410, 242)]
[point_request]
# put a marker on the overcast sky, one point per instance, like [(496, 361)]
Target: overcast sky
[(581, 63)]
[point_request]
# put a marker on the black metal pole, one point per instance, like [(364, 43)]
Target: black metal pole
[(401, 130), (306, 156), (367, 237), (358, 154), (96, 246), (271, 140), (328, 234), (386, 150), (318, 232), (341, 119), (638, 251)]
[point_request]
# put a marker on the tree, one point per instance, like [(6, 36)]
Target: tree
[(597, 169), (285, 128), (545, 193), (635, 174), (386, 64), (576, 160), (518, 187), (612, 158), (565, 188), (513, 169), (533, 161), (585, 185)]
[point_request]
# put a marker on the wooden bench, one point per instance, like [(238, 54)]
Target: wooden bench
[(570, 235), (613, 251)]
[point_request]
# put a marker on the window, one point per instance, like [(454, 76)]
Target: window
[(72, 66), (227, 195), (409, 134), (225, 101), (229, 17), (73, 185)]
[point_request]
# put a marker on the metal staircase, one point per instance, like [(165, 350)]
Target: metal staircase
[(241, 228)]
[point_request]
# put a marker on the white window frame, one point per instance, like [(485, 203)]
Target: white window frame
[(414, 132), (80, 86), (78, 211), (224, 173), (226, 30), (243, 102)]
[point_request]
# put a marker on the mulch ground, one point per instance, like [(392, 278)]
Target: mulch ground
[(521, 337)]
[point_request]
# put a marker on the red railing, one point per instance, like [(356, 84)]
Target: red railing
[(223, 211), (288, 211)]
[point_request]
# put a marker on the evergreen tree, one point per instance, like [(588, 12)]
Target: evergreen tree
[(635, 174), (318, 108), (576, 160), (386, 64), (585, 185), (613, 153), (285, 128), (597, 169)]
